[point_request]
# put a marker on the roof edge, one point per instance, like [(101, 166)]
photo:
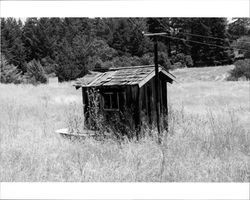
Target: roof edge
[(152, 74), (130, 67), (140, 84)]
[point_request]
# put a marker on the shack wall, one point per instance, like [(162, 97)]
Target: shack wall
[(139, 103), (148, 100)]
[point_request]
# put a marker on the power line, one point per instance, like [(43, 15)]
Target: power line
[(197, 35), (210, 37), (208, 44), (221, 60)]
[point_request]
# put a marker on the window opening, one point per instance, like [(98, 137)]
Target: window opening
[(111, 101)]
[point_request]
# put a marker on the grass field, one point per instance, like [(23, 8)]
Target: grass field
[(209, 137)]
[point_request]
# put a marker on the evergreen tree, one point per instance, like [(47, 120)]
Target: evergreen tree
[(11, 42), (35, 73), (39, 38), (9, 73), (31, 40), (240, 27), (128, 39), (209, 51)]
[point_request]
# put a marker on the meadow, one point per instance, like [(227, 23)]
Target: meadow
[(208, 138)]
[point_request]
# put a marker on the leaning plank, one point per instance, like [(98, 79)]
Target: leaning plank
[(66, 132)]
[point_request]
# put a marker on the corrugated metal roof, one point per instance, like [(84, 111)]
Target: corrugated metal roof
[(119, 76)]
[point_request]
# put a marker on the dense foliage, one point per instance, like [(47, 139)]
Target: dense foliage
[(34, 74), (244, 43), (241, 70), (9, 72), (69, 47)]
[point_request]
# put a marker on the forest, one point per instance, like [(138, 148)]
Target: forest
[(36, 48)]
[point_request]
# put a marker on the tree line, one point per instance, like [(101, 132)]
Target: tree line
[(69, 47)]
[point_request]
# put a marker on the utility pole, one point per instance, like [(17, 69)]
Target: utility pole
[(155, 38)]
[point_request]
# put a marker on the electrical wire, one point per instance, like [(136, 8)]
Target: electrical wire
[(197, 35), (193, 41), (210, 37), (208, 44)]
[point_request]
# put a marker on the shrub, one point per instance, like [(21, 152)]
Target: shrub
[(49, 65), (243, 43), (108, 125), (9, 73), (241, 70), (177, 65), (35, 73), (95, 118), (182, 60), (147, 59), (189, 61), (125, 61), (164, 60)]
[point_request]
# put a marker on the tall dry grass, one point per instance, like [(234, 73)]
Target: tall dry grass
[(201, 145)]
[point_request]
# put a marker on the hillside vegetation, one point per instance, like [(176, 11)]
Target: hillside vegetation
[(69, 47), (208, 137)]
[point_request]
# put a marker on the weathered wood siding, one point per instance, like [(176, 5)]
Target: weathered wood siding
[(148, 100), (140, 103)]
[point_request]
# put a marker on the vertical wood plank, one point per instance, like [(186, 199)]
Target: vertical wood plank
[(166, 105), (145, 99), (137, 111), (153, 101), (161, 100), (164, 96), (85, 103), (83, 100), (149, 95)]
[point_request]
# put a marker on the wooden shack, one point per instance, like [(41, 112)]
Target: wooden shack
[(127, 89)]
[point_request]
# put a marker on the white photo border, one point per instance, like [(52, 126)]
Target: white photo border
[(129, 8)]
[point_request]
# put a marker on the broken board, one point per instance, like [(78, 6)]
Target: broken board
[(74, 135)]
